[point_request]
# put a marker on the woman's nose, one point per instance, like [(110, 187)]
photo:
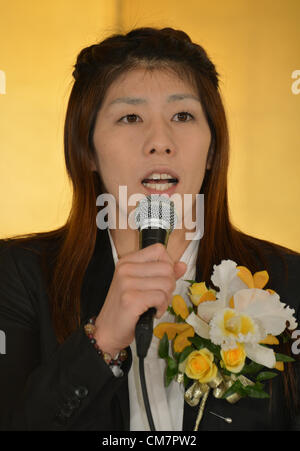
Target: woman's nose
[(159, 140), (154, 150)]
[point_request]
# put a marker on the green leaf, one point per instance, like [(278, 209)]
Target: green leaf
[(176, 355), (163, 348), (285, 336), (266, 375), (200, 343), (185, 353), (283, 358), (190, 281), (253, 391), (168, 379), (252, 368), (172, 365), (197, 341), (237, 387), (256, 391), (171, 371), (224, 371), (171, 310), (178, 318)]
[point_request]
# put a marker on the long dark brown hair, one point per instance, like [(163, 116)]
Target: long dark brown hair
[(96, 68)]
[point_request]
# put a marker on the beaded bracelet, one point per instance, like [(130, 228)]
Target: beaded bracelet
[(114, 364)]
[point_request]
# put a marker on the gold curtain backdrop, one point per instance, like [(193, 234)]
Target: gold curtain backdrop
[(255, 45)]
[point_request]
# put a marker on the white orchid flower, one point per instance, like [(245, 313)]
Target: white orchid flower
[(253, 314), (225, 276)]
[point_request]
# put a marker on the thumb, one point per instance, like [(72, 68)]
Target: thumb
[(180, 269)]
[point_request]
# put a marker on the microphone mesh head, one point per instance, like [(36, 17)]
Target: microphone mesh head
[(156, 211)]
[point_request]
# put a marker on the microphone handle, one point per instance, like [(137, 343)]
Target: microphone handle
[(144, 326), (152, 235)]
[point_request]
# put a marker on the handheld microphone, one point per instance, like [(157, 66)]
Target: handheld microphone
[(155, 218)]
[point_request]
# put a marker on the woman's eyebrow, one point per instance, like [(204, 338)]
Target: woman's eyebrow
[(137, 100)]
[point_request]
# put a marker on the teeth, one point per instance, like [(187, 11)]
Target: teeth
[(159, 186), (160, 176)]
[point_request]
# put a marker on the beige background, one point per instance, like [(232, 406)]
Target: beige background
[(255, 45)]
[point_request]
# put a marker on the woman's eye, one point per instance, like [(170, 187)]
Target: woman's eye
[(131, 117), (185, 113)]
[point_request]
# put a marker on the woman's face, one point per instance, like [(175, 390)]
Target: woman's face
[(151, 123)]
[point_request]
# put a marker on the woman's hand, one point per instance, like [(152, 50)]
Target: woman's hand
[(142, 279)]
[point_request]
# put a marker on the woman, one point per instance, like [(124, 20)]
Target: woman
[(142, 104)]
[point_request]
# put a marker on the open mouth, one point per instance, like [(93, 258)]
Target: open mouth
[(160, 181), (162, 184)]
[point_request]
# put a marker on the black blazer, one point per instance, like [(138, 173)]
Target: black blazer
[(47, 386)]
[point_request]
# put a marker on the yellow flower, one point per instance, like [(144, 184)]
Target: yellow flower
[(200, 365), (179, 306), (199, 293), (229, 327), (234, 359), (270, 340), (257, 280), (233, 324)]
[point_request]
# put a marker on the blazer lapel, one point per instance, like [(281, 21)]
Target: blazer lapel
[(98, 277)]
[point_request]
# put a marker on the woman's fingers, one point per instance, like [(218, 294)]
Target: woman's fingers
[(166, 284), (139, 301), (155, 252), (147, 269), (142, 279)]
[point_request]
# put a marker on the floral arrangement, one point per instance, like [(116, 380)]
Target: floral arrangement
[(225, 341)]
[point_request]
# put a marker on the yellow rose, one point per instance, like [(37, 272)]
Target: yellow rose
[(198, 288), (200, 365), (234, 359)]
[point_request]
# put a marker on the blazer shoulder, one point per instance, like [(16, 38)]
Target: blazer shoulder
[(285, 264), (27, 253), (23, 256), (21, 280)]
